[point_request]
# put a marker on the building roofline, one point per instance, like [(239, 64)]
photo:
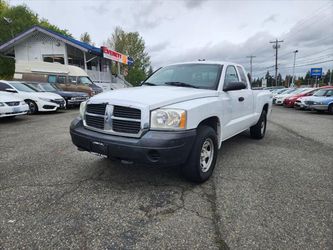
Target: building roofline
[(68, 40)]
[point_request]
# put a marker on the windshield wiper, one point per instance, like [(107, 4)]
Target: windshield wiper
[(149, 84), (180, 84)]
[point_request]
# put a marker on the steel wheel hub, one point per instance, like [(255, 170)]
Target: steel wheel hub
[(262, 127), (206, 155)]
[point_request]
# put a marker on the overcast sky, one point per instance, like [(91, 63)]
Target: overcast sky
[(187, 30)]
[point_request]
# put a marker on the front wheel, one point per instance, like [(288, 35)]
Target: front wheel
[(330, 109), (32, 107), (202, 159), (258, 131)]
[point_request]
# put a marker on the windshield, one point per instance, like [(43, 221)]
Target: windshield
[(48, 87), (34, 86), (280, 91), (298, 91), (321, 92), (204, 76), (85, 80), (22, 87)]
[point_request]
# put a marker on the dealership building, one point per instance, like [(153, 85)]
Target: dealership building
[(38, 44)]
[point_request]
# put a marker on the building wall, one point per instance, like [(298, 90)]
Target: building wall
[(34, 47)]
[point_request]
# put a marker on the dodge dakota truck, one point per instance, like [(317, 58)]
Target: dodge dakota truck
[(180, 115)]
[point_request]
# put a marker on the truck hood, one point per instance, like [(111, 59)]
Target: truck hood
[(151, 96)]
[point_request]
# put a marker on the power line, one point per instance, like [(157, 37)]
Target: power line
[(312, 63)]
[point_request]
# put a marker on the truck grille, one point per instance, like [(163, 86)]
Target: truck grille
[(124, 120), (130, 122), (12, 103), (126, 112), (129, 127), (95, 121), (98, 109)]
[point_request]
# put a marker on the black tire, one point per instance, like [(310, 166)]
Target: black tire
[(193, 170), (258, 131), (330, 109), (33, 108)]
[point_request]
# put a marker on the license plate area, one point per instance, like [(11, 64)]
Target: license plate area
[(99, 148)]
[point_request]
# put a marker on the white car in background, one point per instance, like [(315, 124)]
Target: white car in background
[(11, 106), (278, 99), (37, 101)]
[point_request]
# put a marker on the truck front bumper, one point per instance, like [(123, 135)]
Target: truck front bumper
[(160, 148)]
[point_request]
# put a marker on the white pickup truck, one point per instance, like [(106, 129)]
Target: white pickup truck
[(179, 116)]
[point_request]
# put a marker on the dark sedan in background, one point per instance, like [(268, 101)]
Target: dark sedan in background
[(71, 98)]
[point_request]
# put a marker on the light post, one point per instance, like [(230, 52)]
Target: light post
[(293, 79)]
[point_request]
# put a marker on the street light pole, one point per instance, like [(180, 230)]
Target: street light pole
[(293, 79), (251, 57)]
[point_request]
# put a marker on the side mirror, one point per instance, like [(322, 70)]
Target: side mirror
[(10, 90), (234, 86)]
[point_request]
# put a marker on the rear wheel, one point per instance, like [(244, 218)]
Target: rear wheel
[(330, 109), (202, 159), (32, 107), (258, 131)]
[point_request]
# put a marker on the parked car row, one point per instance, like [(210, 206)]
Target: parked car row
[(19, 98), (319, 99)]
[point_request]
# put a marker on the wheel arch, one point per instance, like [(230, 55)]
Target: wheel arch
[(215, 123), (265, 108)]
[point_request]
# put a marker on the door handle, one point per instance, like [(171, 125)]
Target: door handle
[(241, 99)]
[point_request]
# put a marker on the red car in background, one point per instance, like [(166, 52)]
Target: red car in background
[(290, 101)]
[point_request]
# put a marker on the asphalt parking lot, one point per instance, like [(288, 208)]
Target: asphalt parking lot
[(276, 193)]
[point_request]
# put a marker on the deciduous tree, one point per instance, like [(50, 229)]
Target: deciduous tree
[(133, 45)]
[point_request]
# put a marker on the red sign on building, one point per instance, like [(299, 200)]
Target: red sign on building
[(114, 55)]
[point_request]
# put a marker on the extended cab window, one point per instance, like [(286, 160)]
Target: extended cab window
[(231, 75), (242, 74)]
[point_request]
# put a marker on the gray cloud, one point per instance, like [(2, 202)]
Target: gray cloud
[(192, 4), (144, 18), (271, 18), (158, 47), (310, 45), (100, 8)]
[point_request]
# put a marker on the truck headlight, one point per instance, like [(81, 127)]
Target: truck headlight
[(168, 119), (83, 106)]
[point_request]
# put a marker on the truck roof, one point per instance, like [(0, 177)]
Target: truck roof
[(206, 62)]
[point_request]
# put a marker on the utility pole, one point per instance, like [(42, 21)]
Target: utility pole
[(330, 84), (293, 79), (276, 46), (251, 57)]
